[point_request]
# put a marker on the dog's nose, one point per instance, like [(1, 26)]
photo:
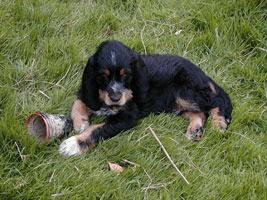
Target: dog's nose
[(115, 96)]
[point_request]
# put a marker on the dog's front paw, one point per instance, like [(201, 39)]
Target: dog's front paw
[(70, 147)]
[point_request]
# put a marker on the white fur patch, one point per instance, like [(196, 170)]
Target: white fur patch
[(105, 111), (113, 58), (70, 147), (116, 87)]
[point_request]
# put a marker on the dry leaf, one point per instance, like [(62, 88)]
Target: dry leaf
[(108, 33), (115, 167)]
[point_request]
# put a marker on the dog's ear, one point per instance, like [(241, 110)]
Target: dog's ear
[(139, 83), (89, 90)]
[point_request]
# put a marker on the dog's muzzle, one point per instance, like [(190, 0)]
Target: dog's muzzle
[(115, 91)]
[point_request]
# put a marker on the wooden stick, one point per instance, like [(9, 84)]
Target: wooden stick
[(44, 94), (131, 163), (64, 75), (261, 49), (163, 148), (77, 168)]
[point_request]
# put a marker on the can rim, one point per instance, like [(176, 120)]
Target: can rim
[(40, 114)]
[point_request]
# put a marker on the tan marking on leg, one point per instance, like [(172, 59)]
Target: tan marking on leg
[(80, 115), (186, 105), (196, 126), (86, 135), (217, 119), (212, 87), (126, 96)]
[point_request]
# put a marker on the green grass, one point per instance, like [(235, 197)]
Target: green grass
[(43, 41)]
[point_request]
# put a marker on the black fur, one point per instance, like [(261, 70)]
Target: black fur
[(156, 81)]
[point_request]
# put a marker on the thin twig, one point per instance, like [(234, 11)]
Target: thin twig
[(21, 156), (57, 83), (131, 163), (163, 148), (261, 49), (43, 164), (150, 179), (44, 94), (143, 136), (53, 84), (58, 195), (262, 113), (77, 168), (51, 178), (142, 32), (64, 75), (202, 61)]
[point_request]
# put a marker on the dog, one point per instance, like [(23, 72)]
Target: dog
[(125, 87)]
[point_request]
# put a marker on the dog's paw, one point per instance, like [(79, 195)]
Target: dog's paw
[(195, 134), (70, 147), (220, 123)]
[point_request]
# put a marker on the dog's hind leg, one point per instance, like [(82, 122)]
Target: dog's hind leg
[(195, 129), (80, 116), (218, 120)]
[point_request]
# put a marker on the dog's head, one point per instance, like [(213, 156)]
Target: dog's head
[(114, 75)]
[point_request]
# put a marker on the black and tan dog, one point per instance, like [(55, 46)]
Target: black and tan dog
[(125, 86)]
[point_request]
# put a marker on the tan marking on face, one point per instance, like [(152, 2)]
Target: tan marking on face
[(86, 136), (212, 88), (103, 95), (122, 71), (186, 105), (197, 121), (126, 96), (106, 72), (79, 115), (217, 119)]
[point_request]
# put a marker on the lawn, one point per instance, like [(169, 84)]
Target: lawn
[(44, 46)]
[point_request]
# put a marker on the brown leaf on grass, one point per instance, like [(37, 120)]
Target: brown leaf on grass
[(108, 33), (115, 167)]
